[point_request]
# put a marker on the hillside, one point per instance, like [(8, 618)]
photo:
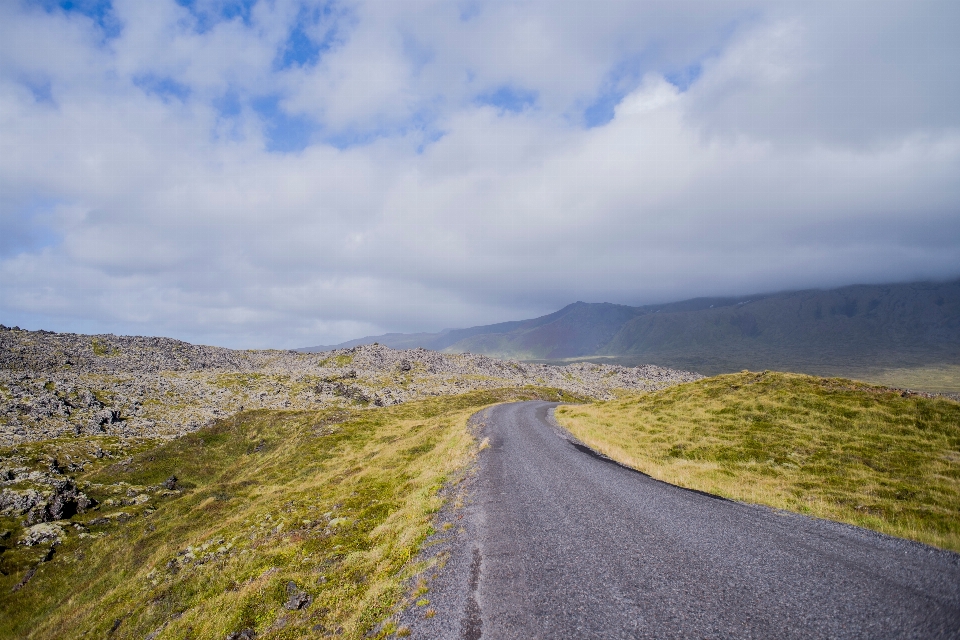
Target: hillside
[(55, 385), (577, 329), (856, 330), (832, 448), (905, 325), (151, 488), (267, 524)]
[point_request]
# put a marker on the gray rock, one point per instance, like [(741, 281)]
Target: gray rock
[(15, 503), (45, 532), (23, 581), (296, 598), (105, 417), (64, 503), (136, 387)]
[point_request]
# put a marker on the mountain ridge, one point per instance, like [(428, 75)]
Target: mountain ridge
[(812, 330)]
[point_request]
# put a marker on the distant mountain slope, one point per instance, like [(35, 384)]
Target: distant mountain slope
[(881, 326), (576, 330), (898, 325)]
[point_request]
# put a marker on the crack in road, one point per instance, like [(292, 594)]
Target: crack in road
[(471, 627)]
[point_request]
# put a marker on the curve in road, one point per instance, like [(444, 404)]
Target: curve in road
[(566, 544)]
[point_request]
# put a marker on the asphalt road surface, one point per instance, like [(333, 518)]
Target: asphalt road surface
[(566, 544)]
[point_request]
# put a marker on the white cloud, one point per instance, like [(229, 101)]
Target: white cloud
[(138, 194)]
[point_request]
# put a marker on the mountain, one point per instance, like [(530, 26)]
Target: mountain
[(909, 325), (834, 331)]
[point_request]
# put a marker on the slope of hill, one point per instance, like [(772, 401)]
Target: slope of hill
[(268, 523), (855, 330), (828, 447), (577, 329)]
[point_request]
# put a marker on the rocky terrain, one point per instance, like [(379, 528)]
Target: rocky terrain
[(66, 385), (887, 334), (72, 404)]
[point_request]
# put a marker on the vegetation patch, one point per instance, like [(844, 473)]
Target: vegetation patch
[(828, 447), (342, 360), (102, 349), (287, 523), (237, 380)]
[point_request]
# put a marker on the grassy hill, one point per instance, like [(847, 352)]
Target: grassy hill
[(901, 334), (828, 447), (288, 523)]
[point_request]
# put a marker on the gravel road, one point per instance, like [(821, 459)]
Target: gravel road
[(561, 543)]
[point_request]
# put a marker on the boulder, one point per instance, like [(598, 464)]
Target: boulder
[(65, 503), (15, 503), (296, 597), (45, 532)]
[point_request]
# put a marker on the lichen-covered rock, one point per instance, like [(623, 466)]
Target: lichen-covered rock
[(63, 502), (43, 533), (65, 385), (15, 503)]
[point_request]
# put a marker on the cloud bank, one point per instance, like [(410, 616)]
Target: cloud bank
[(282, 173)]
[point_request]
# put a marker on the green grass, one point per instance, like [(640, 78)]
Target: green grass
[(338, 361), (103, 349), (831, 448), (337, 501)]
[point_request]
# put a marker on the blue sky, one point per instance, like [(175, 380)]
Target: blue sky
[(290, 172)]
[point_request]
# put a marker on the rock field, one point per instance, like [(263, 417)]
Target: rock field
[(59, 385)]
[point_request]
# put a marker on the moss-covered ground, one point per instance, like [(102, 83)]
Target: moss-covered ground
[(828, 447), (337, 502)]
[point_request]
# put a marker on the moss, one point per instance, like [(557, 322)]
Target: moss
[(102, 349), (237, 380), (341, 360)]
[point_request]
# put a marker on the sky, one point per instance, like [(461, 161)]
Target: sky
[(285, 173)]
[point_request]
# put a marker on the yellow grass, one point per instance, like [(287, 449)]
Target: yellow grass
[(337, 502), (831, 448)]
